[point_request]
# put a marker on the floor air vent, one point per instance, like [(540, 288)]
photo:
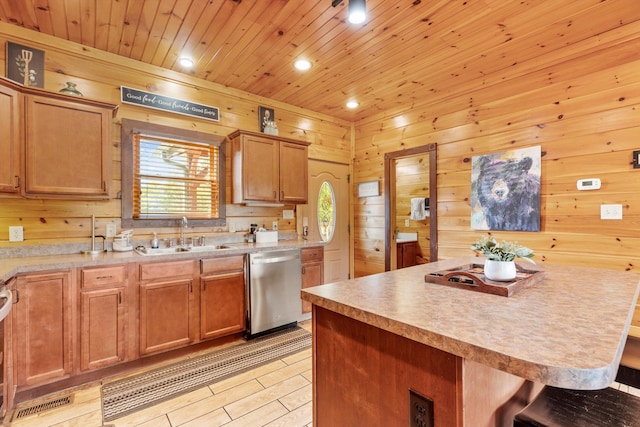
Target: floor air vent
[(41, 407)]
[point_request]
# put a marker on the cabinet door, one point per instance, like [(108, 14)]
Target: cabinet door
[(165, 315), (67, 148), (10, 170), (407, 253), (42, 323), (259, 169), (311, 276), (101, 328), (293, 173), (222, 305)]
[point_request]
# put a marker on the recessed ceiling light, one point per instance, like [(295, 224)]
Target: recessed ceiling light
[(302, 64), (352, 104), (357, 11), (186, 62)]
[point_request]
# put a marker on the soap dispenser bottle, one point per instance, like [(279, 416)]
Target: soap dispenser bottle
[(154, 242)]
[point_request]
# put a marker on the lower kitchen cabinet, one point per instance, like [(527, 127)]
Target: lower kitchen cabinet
[(166, 306), (407, 252), (222, 296), (42, 319), (312, 270), (102, 316)]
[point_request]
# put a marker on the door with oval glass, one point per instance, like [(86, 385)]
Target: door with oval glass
[(328, 216)]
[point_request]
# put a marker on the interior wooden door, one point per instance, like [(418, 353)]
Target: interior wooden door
[(336, 249)]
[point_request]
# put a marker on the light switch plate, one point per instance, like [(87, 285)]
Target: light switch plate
[(287, 214), (16, 234), (610, 211), (111, 230)]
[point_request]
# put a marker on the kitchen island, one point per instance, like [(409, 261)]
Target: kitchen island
[(478, 357)]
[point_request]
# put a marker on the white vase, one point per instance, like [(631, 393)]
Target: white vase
[(500, 271)]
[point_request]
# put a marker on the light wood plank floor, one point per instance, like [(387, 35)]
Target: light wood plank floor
[(276, 394)]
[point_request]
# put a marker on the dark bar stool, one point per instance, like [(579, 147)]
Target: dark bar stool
[(558, 407)]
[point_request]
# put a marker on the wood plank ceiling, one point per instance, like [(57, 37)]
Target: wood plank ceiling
[(408, 52)]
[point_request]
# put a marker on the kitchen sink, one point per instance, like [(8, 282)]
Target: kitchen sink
[(178, 249)]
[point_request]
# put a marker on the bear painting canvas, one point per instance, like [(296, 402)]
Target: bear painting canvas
[(505, 191)]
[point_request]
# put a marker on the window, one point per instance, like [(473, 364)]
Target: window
[(169, 173)]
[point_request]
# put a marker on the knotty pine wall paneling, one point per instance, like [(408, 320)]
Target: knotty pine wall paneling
[(579, 101), (99, 75)]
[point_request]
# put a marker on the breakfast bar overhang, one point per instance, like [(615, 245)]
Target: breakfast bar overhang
[(478, 357)]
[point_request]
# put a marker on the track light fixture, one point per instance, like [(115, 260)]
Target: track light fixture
[(357, 10)]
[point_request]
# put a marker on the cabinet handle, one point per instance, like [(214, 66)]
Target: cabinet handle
[(304, 271), (104, 277), (275, 194), (191, 287), (17, 181), (120, 298), (17, 300), (282, 195)]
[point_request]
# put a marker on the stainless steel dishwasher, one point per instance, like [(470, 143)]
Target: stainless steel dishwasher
[(275, 279)]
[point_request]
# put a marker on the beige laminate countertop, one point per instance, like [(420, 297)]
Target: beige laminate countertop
[(567, 331), (10, 267)]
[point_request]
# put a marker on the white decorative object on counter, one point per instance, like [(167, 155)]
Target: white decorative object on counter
[(500, 271), (122, 242), (266, 236)]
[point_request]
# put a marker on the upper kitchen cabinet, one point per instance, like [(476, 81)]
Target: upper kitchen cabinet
[(66, 143), (10, 136), (268, 169)]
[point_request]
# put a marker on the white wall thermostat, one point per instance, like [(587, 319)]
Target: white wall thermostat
[(589, 184)]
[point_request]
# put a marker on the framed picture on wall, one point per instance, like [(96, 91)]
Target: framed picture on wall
[(25, 65), (505, 190), (267, 117)]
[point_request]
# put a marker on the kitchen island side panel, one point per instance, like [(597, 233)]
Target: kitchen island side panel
[(363, 374)]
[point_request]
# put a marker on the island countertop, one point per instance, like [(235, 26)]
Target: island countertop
[(568, 330)]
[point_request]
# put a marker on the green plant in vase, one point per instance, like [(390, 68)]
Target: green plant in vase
[(500, 265)]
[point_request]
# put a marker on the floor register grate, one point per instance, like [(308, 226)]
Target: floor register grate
[(41, 407)]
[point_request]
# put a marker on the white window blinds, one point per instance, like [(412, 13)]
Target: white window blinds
[(174, 178)]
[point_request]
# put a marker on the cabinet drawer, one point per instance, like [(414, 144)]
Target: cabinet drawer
[(229, 263), (166, 269), (312, 254), (103, 276)]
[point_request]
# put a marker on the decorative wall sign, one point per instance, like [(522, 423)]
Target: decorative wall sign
[(505, 190), (165, 103), (368, 189), (25, 65), (267, 118)]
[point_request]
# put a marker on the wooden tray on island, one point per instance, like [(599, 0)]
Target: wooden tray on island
[(471, 277)]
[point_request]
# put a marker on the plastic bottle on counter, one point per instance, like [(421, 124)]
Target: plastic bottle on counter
[(154, 242)]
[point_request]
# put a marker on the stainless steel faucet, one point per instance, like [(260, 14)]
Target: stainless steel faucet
[(183, 224)]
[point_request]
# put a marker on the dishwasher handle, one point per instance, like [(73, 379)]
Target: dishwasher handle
[(274, 260)]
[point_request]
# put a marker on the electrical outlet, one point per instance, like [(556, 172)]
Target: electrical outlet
[(274, 225), (420, 410), (610, 211), (111, 230), (407, 223), (16, 234)]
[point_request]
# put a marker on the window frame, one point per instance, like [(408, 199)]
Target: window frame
[(128, 130)]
